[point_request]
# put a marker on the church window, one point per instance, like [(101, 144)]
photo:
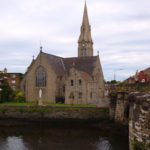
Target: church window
[(80, 95), (64, 88), (72, 82), (40, 77), (80, 82), (71, 95)]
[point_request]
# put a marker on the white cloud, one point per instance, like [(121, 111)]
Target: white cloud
[(120, 29)]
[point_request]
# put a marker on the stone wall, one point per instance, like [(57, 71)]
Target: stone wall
[(134, 110), (139, 121), (121, 106), (48, 113)]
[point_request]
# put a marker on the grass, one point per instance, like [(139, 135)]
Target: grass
[(72, 105), (16, 104), (51, 105)]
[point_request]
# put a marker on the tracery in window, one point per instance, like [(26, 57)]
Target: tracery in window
[(40, 77)]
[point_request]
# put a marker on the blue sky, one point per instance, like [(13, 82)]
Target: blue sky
[(120, 31)]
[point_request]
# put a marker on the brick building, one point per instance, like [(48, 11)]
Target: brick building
[(142, 77), (13, 79)]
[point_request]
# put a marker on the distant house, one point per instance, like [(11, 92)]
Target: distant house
[(142, 77), (13, 79)]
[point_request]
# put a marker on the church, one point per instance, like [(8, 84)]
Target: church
[(52, 79)]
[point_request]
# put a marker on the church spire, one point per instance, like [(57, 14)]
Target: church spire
[(85, 21), (85, 43)]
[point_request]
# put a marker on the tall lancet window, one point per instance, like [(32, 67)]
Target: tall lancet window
[(40, 77)]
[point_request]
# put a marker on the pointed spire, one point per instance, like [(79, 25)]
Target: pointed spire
[(85, 42), (85, 28), (85, 21)]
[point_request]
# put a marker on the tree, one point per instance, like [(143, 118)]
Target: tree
[(6, 91), (113, 81)]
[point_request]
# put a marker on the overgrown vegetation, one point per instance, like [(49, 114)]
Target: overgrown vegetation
[(19, 96), (139, 146)]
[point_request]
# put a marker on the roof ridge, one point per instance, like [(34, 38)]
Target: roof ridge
[(51, 55), (80, 57)]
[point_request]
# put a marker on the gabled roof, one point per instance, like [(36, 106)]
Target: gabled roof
[(85, 64), (56, 62), (63, 65)]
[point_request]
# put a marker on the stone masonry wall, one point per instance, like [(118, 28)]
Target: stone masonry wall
[(139, 121), (50, 113), (120, 107)]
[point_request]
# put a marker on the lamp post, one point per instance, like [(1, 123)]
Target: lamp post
[(115, 73)]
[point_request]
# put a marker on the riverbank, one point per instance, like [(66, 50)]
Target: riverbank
[(50, 113)]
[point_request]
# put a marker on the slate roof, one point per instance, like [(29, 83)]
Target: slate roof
[(63, 65), (85, 64)]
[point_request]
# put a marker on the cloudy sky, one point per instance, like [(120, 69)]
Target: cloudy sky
[(120, 31)]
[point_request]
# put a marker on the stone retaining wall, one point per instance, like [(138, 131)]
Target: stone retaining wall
[(36, 112), (139, 121)]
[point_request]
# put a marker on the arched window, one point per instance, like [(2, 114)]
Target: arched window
[(40, 77)]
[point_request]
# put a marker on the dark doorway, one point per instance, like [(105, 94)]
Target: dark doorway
[(60, 99), (126, 112)]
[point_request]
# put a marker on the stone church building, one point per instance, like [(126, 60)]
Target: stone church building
[(75, 80)]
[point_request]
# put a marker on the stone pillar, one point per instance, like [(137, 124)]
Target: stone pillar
[(139, 123), (112, 107), (119, 113)]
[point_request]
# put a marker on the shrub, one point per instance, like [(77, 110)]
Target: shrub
[(19, 97)]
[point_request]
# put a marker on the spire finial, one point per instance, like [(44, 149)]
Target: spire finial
[(33, 57), (97, 53), (41, 48)]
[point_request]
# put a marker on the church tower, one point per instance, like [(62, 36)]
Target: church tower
[(85, 43)]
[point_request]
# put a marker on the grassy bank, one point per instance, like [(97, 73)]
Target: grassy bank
[(51, 105)]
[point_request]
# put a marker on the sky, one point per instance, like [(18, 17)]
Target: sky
[(120, 31)]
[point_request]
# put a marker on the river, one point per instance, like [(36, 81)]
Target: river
[(41, 137)]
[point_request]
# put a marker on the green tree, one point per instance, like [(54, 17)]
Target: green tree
[(113, 81), (6, 92)]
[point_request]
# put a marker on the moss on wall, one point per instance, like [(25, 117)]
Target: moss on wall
[(35, 112)]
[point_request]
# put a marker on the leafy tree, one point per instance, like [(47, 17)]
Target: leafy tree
[(113, 81), (6, 92)]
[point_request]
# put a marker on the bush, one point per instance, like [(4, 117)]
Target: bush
[(19, 97)]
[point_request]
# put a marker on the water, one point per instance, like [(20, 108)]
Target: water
[(60, 138)]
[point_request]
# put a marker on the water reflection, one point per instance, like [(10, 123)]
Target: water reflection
[(13, 143), (50, 138), (104, 144)]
